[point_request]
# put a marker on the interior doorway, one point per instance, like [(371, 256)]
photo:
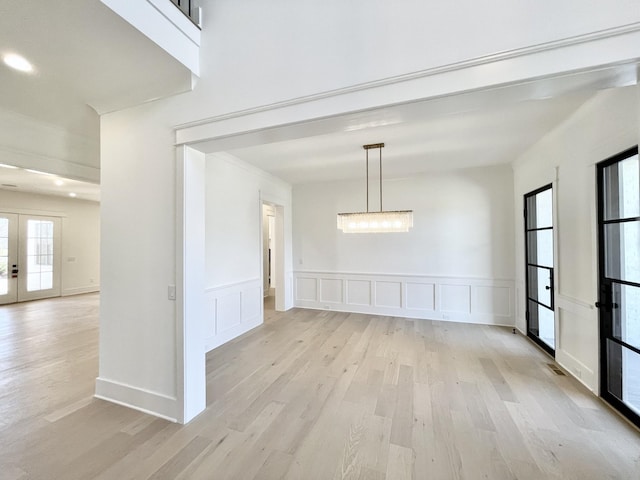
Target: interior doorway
[(268, 251), (29, 257), (272, 255)]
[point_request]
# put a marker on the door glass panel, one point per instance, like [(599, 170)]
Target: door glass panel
[(540, 285), (39, 255), (4, 256), (622, 248), (544, 211), (533, 324), (623, 375), (539, 210), (546, 326), (622, 189), (540, 249), (626, 312)]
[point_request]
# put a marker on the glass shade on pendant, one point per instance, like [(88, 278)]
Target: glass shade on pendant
[(376, 222)]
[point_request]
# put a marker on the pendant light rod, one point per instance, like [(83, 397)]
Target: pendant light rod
[(380, 150), (367, 160), (368, 147)]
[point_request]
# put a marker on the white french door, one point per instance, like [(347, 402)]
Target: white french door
[(29, 257)]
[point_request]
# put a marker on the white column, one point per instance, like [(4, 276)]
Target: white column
[(190, 305)]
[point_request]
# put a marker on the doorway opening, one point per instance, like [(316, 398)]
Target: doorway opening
[(619, 281), (29, 257), (272, 254)]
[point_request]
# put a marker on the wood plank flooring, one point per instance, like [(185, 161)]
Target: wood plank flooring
[(308, 395)]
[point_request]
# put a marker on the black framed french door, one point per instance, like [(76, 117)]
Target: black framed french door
[(538, 226), (619, 281)]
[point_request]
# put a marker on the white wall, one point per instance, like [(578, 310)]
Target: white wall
[(80, 265), (234, 244), (605, 125), (330, 45), (456, 263)]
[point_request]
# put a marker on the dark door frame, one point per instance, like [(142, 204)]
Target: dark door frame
[(605, 303), (535, 338)]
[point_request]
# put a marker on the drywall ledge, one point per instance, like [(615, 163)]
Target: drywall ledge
[(165, 25)]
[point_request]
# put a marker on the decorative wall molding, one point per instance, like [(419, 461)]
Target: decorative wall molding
[(574, 305), (457, 299), (146, 401), (465, 64), (572, 313), (232, 310)]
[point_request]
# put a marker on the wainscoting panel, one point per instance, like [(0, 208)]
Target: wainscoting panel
[(458, 299), (455, 298), (228, 311), (359, 292), (420, 296), (331, 290), (307, 288), (492, 300), (231, 311)]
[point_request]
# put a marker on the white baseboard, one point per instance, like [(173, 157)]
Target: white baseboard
[(146, 401), (80, 290), (577, 369)]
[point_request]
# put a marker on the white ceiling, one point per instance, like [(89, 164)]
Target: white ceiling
[(473, 129), (20, 180), (86, 58), (494, 135)]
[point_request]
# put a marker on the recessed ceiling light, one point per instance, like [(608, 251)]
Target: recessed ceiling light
[(71, 194), (18, 62), (59, 183), (3, 165)]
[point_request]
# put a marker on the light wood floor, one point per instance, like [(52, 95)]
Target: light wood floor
[(309, 395)]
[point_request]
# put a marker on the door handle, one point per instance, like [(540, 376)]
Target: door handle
[(607, 305), (547, 287)]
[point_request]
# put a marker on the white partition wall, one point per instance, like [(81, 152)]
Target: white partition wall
[(235, 192)]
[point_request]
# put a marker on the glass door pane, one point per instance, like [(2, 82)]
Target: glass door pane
[(619, 280), (8, 258), (539, 267), (40, 257)]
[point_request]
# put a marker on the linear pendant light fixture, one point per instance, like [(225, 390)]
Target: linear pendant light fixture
[(375, 222)]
